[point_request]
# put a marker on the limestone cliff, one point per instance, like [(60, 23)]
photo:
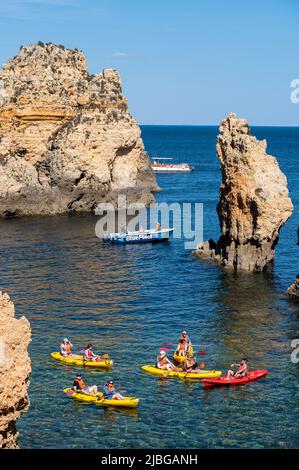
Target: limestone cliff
[(67, 140), (14, 368), (254, 200)]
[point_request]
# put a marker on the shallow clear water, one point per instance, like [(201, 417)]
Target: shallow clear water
[(129, 300)]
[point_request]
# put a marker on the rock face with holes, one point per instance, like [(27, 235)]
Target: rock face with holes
[(15, 369), (67, 140), (254, 200)]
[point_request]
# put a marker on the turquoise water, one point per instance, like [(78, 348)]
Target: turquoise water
[(129, 300)]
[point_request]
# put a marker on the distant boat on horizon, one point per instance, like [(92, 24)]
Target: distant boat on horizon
[(159, 166)]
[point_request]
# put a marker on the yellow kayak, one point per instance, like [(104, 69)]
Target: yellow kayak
[(204, 374), (128, 402), (181, 359), (76, 360)]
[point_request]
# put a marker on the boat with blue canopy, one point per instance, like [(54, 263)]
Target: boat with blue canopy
[(141, 236)]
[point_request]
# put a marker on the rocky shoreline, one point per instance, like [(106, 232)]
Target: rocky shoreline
[(15, 368)]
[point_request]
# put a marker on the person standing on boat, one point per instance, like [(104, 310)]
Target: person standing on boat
[(164, 363), (186, 338), (66, 348), (158, 226)]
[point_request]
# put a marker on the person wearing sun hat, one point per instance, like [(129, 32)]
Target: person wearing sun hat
[(66, 347), (164, 363)]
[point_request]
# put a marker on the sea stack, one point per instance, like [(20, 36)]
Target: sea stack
[(254, 200), (67, 140), (15, 369)]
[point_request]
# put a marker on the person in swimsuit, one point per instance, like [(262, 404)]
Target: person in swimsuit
[(182, 348), (190, 365), (110, 393), (79, 385), (185, 337), (241, 372), (164, 363), (89, 355), (66, 348)]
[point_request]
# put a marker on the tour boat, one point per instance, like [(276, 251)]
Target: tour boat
[(159, 165), (141, 236)]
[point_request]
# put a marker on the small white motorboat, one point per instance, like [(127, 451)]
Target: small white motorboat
[(159, 166)]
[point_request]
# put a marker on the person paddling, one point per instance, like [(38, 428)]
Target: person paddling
[(89, 355), (164, 363), (110, 392), (190, 365), (241, 372), (66, 348), (80, 386)]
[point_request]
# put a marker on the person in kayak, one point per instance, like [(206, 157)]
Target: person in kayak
[(164, 363), (182, 348), (89, 355), (185, 337), (110, 392), (190, 365), (66, 348), (241, 372), (80, 386)]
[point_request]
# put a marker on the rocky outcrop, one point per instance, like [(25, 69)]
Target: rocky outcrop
[(67, 140), (254, 200), (293, 290), (15, 370)]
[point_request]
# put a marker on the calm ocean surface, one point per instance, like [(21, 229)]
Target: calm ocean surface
[(129, 300)]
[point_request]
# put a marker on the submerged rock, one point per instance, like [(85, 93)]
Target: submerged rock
[(67, 140), (15, 369), (293, 290), (254, 200)]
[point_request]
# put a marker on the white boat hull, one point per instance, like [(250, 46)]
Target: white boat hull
[(171, 169)]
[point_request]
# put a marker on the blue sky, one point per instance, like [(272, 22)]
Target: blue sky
[(181, 62)]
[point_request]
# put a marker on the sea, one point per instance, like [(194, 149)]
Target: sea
[(131, 300)]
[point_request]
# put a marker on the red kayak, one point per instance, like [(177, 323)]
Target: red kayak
[(251, 376)]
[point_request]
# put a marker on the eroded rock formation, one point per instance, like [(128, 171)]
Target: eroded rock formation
[(67, 140), (293, 290), (14, 369), (254, 200)]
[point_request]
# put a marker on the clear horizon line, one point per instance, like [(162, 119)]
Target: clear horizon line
[(217, 125)]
